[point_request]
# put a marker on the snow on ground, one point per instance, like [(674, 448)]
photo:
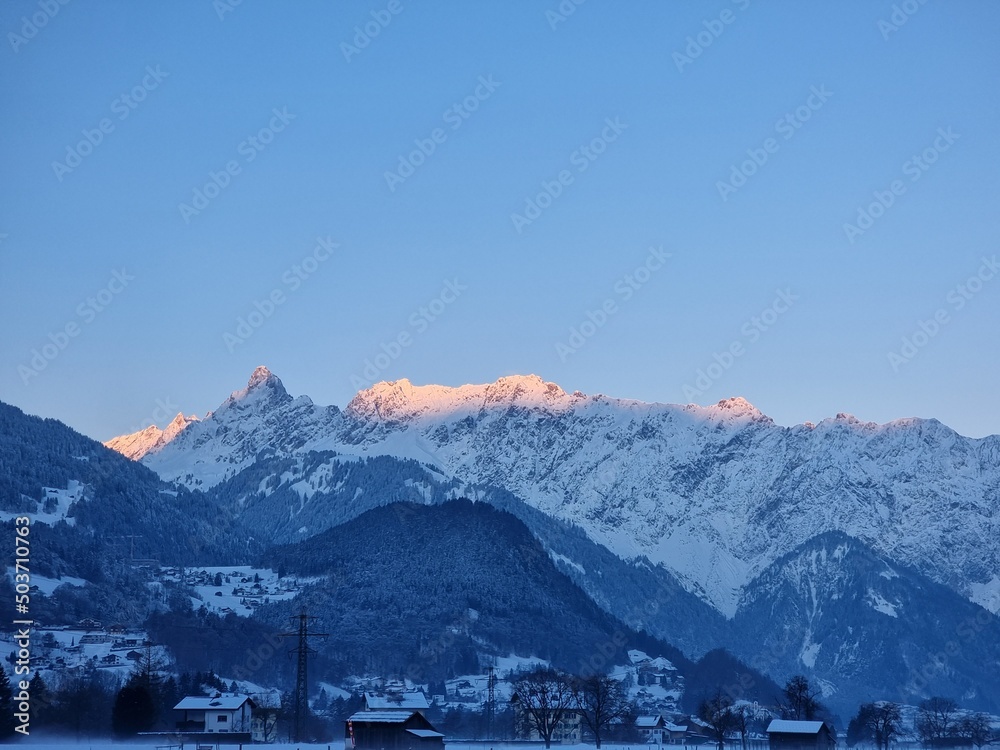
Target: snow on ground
[(987, 595), (332, 691), (55, 504), (880, 604), (55, 650), (103, 744), (48, 585), (565, 560), (242, 589), (504, 664)]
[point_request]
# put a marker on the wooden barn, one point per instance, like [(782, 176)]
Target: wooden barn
[(391, 730), (800, 735)]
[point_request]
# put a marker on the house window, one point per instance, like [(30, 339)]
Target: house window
[(223, 718)]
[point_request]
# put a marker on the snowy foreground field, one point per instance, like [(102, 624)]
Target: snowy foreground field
[(101, 744)]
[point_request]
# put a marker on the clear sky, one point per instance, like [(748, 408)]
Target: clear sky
[(493, 176)]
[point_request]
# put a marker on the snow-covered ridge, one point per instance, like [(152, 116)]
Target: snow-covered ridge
[(400, 399), (149, 440), (714, 493)]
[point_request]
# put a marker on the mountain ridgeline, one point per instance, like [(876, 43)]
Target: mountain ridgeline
[(854, 553)]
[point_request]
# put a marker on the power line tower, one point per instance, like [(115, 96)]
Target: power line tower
[(302, 651), (133, 537), (491, 705)]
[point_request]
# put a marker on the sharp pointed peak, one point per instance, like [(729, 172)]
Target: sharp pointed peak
[(260, 375)]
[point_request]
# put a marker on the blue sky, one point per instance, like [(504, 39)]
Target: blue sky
[(398, 186)]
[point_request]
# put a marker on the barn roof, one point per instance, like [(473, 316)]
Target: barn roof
[(784, 726), (204, 703), (424, 733), (382, 717)]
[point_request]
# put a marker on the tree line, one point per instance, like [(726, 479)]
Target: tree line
[(939, 722)]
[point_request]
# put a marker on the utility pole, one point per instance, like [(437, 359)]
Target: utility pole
[(302, 651), (133, 537), (491, 682)]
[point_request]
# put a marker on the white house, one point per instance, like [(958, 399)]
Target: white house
[(219, 713), (651, 728)]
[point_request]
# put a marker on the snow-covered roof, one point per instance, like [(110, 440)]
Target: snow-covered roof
[(676, 727), (784, 726), (204, 703), (644, 722), (424, 733), (382, 717), (414, 700)]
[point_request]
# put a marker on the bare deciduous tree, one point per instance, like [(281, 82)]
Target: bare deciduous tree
[(544, 697), (720, 716), (882, 720), (936, 720), (602, 701), (800, 701), (977, 728)]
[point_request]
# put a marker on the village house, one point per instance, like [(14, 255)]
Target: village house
[(94, 638), (783, 734), (675, 734), (657, 730), (216, 714), (651, 728)]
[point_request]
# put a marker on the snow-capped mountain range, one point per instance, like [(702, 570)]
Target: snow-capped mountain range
[(715, 494)]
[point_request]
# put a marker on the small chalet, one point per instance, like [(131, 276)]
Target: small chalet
[(650, 728), (391, 730), (675, 734), (219, 713), (800, 735)]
